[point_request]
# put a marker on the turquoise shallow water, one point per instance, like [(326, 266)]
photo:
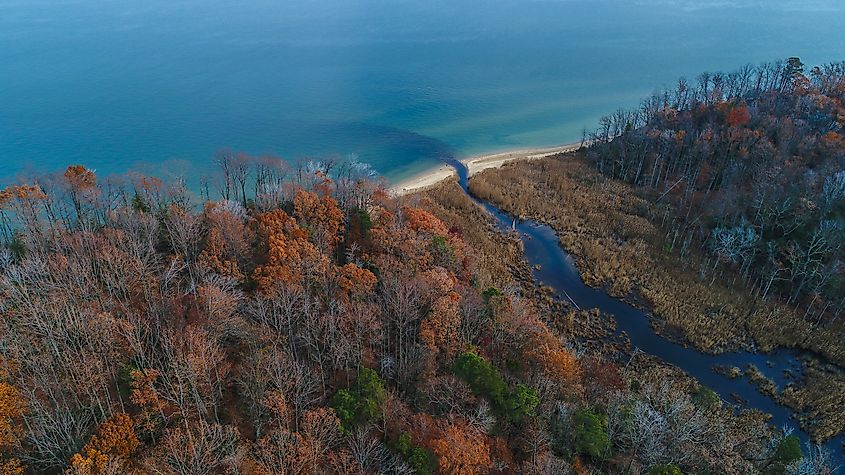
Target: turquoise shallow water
[(120, 84)]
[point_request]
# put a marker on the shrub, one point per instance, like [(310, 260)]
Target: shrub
[(636, 386), (491, 292), (363, 220), (346, 407), (788, 451), (422, 461), (139, 205), (440, 245), (370, 389), (419, 459), (523, 401), (485, 380), (482, 377), (403, 443), (589, 434), (668, 469), (17, 247), (706, 398), (362, 402)]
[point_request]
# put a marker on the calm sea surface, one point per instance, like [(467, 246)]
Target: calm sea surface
[(120, 84)]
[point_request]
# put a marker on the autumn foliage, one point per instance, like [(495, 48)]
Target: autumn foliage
[(11, 409), (288, 255), (355, 280), (111, 445), (263, 337), (462, 451), (306, 322), (752, 168)]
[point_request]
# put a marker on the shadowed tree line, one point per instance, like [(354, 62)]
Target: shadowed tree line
[(750, 168)]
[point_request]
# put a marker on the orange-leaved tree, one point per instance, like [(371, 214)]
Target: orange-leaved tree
[(145, 396), (558, 363), (24, 204), (109, 448), (355, 280), (227, 240), (421, 220), (440, 329), (287, 253), (81, 185), (462, 450), (11, 410), (214, 256), (738, 116), (321, 216)]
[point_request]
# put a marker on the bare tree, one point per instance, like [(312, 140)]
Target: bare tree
[(197, 449)]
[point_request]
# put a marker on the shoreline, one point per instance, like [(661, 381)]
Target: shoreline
[(476, 164)]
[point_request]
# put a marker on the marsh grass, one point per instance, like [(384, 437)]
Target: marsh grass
[(616, 234)]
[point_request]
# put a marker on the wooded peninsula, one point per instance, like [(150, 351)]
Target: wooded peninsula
[(300, 318)]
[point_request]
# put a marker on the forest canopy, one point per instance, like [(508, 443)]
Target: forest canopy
[(304, 321)]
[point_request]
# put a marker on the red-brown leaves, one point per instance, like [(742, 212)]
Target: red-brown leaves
[(321, 215), (601, 379), (833, 140), (322, 429), (227, 241), (277, 406), (144, 395), (738, 116), (440, 330), (22, 193), (215, 257), (284, 451), (355, 280), (462, 450), (80, 178), (420, 240), (111, 446), (422, 220), (82, 187), (199, 447), (558, 363), (11, 409), (288, 253)]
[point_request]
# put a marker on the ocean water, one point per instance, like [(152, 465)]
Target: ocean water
[(162, 85)]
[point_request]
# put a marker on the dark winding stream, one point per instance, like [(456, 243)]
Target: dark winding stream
[(557, 270)]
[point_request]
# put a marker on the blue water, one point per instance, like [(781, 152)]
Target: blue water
[(161, 85)]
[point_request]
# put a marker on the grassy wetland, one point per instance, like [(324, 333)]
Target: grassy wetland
[(617, 236)]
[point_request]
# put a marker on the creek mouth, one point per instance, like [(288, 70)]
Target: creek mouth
[(552, 266)]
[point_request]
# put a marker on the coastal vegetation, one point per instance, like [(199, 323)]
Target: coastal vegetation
[(312, 325), (718, 206), (614, 232), (748, 167), (615, 368)]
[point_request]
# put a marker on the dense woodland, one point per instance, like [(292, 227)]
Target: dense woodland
[(750, 167), (304, 324)]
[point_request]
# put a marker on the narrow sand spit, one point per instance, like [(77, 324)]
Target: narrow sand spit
[(496, 160), (424, 180), (476, 164)]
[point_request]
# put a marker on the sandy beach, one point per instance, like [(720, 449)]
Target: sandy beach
[(423, 180), (476, 164)]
